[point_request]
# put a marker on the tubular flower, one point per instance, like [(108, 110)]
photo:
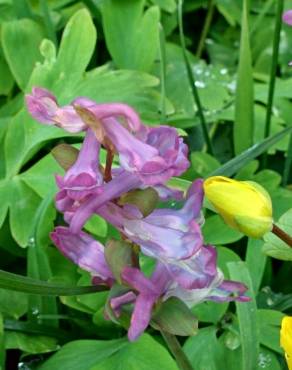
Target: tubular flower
[(244, 205), (83, 178), (83, 250), (153, 154), (286, 339), (43, 107), (165, 234)]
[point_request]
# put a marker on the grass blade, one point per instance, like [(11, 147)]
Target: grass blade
[(25, 284), (192, 80), (276, 45), (247, 317), (38, 266), (244, 114), (232, 166)]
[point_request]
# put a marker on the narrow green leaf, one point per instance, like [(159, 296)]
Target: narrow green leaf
[(37, 329), (244, 115), (37, 260), (25, 284), (256, 262), (246, 312), (232, 166)]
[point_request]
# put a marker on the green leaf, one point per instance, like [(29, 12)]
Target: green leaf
[(96, 225), (37, 260), (144, 354), (25, 284), (6, 78), (247, 318), (244, 115), (21, 40), (269, 322), (23, 205), (82, 354), (30, 343), (40, 177), (204, 350), (255, 262), (131, 34), (77, 45), (216, 232), (204, 163), (174, 317), (13, 304), (232, 166), (276, 247)]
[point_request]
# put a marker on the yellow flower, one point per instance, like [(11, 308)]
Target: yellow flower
[(244, 205), (286, 339)]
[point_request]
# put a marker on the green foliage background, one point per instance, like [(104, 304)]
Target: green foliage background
[(133, 51)]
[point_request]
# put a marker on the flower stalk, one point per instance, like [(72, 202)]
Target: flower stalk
[(175, 348), (282, 235)]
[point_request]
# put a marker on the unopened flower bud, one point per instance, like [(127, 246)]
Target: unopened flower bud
[(286, 339), (244, 205)]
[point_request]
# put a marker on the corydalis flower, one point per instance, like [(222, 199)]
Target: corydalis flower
[(43, 106), (153, 154), (83, 178), (84, 251), (165, 234)]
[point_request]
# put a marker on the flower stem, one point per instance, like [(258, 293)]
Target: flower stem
[(192, 80), (276, 45), (282, 235), (175, 348), (207, 24), (108, 166)]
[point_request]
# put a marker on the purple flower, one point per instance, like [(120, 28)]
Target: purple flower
[(83, 178), (153, 154), (287, 17), (148, 293), (43, 107), (165, 234), (120, 184), (85, 251)]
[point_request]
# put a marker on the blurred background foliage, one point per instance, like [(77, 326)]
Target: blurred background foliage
[(138, 52)]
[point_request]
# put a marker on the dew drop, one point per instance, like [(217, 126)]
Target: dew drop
[(200, 84)]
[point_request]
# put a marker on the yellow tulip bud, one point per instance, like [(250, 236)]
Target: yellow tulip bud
[(244, 205), (286, 339)]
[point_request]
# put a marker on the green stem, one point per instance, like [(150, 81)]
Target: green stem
[(288, 162), (48, 21), (205, 31), (192, 80), (162, 72), (175, 348), (25, 284), (276, 43)]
